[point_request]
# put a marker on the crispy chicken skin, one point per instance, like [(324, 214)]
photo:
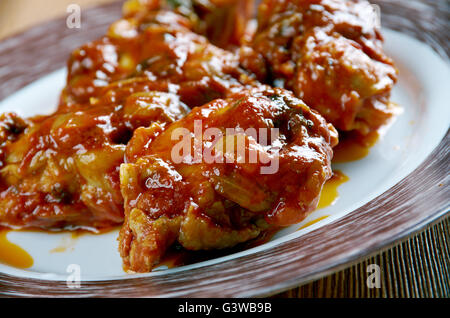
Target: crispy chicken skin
[(172, 196), (329, 53), (62, 171)]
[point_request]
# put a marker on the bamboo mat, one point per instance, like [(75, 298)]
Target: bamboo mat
[(418, 267)]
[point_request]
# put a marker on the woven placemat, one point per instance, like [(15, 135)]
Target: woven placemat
[(418, 267)]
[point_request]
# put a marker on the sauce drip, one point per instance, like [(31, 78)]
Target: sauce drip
[(330, 192), (67, 244), (354, 147), (329, 195), (12, 254), (313, 222)]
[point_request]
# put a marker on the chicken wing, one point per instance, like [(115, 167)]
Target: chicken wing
[(224, 22), (198, 184), (161, 47), (62, 170), (329, 52)]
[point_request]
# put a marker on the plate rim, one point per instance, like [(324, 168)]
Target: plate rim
[(290, 252)]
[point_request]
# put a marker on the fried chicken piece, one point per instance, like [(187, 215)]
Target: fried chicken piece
[(62, 170), (342, 82), (329, 52), (161, 47), (205, 187), (115, 56), (223, 22)]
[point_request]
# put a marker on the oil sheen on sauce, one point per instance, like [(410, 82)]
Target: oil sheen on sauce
[(330, 191), (67, 243), (313, 222), (12, 254), (352, 147), (329, 195)]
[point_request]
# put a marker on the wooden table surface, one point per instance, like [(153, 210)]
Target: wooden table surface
[(417, 267)]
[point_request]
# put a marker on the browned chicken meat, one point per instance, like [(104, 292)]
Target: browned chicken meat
[(158, 47), (329, 52), (198, 184), (62, 170), (224, 22)]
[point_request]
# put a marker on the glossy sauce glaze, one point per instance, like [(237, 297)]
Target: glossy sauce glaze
[(63, 169), (353, 147), (329, 53), (213, 204), (330, 192), (13, 255), (178, 256)]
